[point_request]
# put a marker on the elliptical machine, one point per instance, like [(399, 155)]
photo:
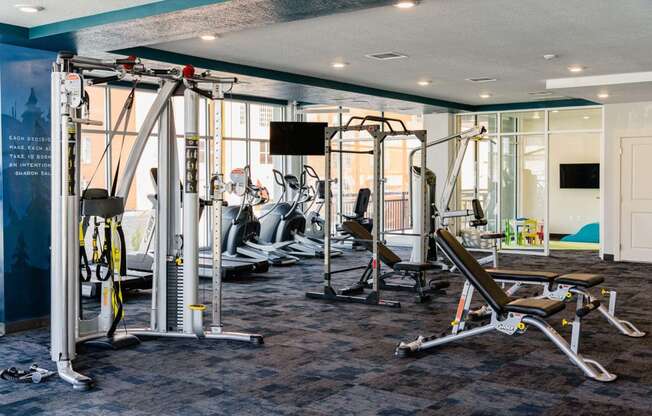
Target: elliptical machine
[(314, 221), (241, 228), (285, 222)]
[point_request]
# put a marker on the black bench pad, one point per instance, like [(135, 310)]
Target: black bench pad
[(406, 266), (534, 306), (580, 279), (523, 275)]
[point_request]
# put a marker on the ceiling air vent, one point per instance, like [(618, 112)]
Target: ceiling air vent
[(386, 56), (540, 93), (480, 80)]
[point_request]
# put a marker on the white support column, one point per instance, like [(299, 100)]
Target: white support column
[(190, 207)]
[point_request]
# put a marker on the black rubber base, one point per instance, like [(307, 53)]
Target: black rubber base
[(257, 340), (402, 352), (117, 342)]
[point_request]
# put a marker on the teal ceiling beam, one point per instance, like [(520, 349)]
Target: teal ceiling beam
[(532, 105), (130, 13), (215, 65)]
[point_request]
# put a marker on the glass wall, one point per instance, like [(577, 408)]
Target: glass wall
[(520, 190)]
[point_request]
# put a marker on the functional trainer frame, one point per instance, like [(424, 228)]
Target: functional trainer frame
[(175, 311)]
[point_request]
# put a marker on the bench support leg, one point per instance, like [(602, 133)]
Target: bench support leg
[(591, 368)]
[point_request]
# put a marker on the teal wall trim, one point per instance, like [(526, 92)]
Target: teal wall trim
[(130, 13), (181, 59), (11, 33), (573, 102)]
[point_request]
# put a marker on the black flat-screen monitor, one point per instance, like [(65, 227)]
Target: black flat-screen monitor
[(296, 138), (579, 175)]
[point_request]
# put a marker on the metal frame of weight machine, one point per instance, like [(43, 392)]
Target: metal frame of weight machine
[(378, 136), (175, 312)]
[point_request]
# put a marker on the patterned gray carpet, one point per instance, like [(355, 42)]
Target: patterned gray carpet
[(323, 358)]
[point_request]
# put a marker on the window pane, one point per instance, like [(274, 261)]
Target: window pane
[(262, 167), (260, 116), (489, 121), (582, 119), (525, 122), (92, 146), (235, 119), (96, 94), (235, 156), (465, 122), (143, 103), (118, 97)]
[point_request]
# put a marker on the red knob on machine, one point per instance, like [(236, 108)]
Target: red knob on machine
[(188, 71), (130, 58)]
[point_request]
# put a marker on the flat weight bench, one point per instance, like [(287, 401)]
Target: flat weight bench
[(562, 287), (509, 315), (412, 270)]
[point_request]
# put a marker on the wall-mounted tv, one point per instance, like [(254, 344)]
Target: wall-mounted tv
[(296, 138), (579, 175)]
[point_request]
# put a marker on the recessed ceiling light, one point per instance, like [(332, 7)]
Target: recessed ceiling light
[(339, 65), (28, 8), (549, 56), (424, 83), (603, 95), (555, 111), (586, 117), (405, 4), (536, 116), (485, 95), (208, 37), (576, 68)]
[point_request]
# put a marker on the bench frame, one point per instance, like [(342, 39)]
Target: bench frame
[(508, 323), (564, 293)]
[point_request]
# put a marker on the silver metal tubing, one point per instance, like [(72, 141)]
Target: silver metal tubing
[(67, 374), (421, 343), (625, 327), (190, 207), (165, 93), (591, 368)]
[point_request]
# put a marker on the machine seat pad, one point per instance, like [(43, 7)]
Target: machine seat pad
[(535, 306), (492, 236), (407, 266), (580, 279), (523, 275)]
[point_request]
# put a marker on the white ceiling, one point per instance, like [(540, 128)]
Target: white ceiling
[(448, 41), (58, 10)]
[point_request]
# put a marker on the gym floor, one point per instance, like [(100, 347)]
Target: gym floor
[(323, 358)]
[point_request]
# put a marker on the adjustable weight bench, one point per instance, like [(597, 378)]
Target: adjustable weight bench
[(412, 270), (563, 287), (509, 315)]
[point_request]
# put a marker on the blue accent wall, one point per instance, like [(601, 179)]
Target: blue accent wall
[(25, 183)]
